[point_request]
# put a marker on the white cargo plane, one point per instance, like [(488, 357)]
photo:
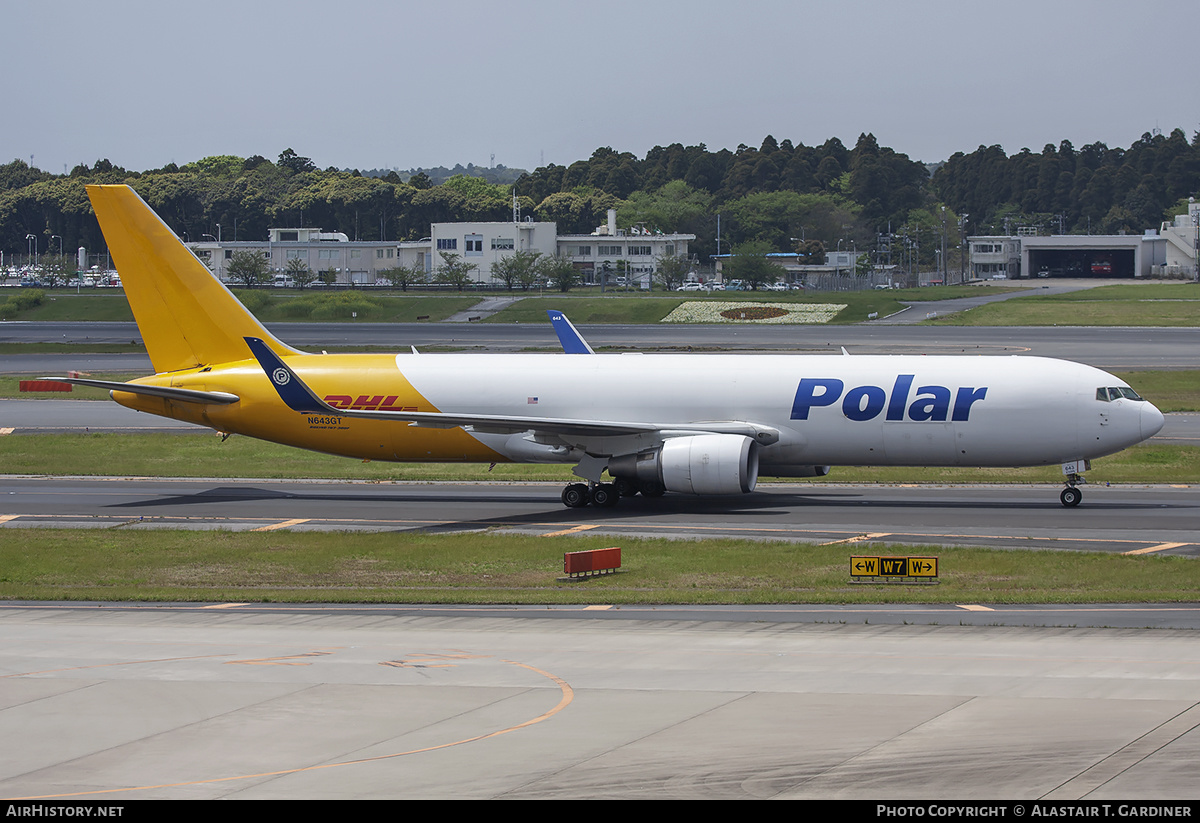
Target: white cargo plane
[(690, 424)]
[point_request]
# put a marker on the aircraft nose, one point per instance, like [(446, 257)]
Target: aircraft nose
[(1152, 420)]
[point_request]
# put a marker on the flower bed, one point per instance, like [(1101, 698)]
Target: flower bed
[(705, 312)]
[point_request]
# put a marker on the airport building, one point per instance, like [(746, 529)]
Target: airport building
[(482, 244), (1169, 251)]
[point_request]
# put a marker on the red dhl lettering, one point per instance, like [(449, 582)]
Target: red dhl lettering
[(365, 402)]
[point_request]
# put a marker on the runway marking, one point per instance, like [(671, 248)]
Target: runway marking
[(613, 527), (110, 665), (1161, 547), (4, 518), (565, 690), (596, 608), (277, 661), (572, 530), (857, 538), (224, 605), (973, 608), (6, 430), (294, 522), (418, 661)]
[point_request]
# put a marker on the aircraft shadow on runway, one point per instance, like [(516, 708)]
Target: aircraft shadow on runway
[(764, 503)]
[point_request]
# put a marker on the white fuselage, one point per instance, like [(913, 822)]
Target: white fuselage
[(847, 410)]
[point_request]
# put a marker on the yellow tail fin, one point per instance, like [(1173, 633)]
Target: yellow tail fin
[(186, 316)]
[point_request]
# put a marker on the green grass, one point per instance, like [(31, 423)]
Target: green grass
[(10, 387), (58, 306), (384, 306), (1141, 304), (160, 565), (646, 309), (1171, 391), (204, 455), (269, 305)]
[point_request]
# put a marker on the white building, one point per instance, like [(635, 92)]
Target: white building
[(364, 262), (1182, 244)]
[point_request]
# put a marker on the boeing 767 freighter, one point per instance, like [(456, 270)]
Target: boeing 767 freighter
[(706, 424)]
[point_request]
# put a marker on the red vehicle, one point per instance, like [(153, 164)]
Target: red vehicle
[(1101, 265)]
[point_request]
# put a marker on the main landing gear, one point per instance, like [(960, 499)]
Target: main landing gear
[(578, 495), (606, 495)]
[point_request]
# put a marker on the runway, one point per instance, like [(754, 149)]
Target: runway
[(1107, 348), (114, 702), (1157, 519), (237, 701)]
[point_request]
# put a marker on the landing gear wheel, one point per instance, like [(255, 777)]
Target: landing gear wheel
[(605, 495), (575, 496), (653, 490), (1070, 496), (626, 487)]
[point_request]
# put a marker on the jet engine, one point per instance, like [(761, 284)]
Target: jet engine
[(698, 464)]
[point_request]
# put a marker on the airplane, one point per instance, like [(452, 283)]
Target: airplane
[(702, 424)]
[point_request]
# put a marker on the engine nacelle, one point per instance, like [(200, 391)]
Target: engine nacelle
[(699, 464)]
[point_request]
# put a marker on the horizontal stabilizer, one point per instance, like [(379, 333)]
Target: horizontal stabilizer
[(183, 395)]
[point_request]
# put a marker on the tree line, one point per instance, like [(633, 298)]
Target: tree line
[(780, 195)]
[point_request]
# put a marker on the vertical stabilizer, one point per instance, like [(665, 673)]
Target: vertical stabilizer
[(186, 316)]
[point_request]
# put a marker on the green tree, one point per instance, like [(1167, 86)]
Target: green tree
[(454, 271), (401, 277), (560, 272), (328, 276), (288, 159), (299, 271), (749, 263), (56, 269), (517, 270), (671, 270), (810, 252), (249, 268)]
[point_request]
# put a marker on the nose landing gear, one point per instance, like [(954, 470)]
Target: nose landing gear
[(1071, 496)]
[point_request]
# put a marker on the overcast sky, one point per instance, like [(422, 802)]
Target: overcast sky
[(375, 84)]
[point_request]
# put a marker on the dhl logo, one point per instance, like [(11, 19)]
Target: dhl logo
[(367, 403)]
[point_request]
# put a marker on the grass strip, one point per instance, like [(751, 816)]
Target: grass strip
[(1140, 304), (109, 454), (132, 565)]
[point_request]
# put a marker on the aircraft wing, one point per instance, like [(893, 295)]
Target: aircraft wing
[(300, 398), (184, 395)]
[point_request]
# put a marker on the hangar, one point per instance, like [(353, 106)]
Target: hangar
[(1066, 255), (1107, 256), (1172, 250)]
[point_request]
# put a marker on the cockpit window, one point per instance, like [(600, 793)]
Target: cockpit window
[(1116, 393)]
